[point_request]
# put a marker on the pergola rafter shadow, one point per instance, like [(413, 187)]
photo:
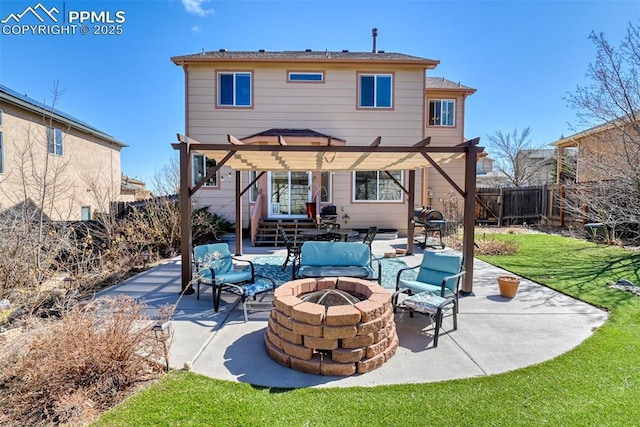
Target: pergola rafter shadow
[(284, 157)]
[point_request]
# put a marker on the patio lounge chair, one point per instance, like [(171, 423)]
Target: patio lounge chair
[(215, 267), (434, 291)]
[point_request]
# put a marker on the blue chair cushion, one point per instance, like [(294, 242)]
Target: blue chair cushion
[(257, 287), (436, 266), (230, 277), (216, 256), (417, 287), (426, 302), (340, 254)]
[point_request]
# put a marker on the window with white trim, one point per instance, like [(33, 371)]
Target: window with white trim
[(442, 112), (234, 89), (375, 186), (305, 77), (253, 192), (54, 141), (201, 165), (375, 90), (326, 181)]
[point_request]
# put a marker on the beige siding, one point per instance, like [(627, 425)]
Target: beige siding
[(330, 108), (87, 174)]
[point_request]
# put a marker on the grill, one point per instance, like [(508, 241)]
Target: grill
[(432, 223), (329, 217)]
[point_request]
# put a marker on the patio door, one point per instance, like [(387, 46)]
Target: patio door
[(289, 194)]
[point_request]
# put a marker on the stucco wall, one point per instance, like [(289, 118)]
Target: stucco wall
[(87, 174)]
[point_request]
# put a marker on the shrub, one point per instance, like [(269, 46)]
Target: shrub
[(72, 369), (496, 247)]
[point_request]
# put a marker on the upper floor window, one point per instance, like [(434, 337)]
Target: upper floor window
[(201, 165), (373, 186), (1, 154), (234, 89), (300, 76), (54, 141), (442, 112), (375, 90)]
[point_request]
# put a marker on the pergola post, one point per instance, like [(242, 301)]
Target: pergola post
[(185, 218), (468, 238), (238, 213), (410, 206)]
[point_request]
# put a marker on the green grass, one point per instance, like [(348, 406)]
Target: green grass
[(595, 384)]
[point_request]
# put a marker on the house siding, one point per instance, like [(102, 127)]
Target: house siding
[(330, 108), (88, 172)]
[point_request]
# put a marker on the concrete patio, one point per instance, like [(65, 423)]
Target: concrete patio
[(495, 334)]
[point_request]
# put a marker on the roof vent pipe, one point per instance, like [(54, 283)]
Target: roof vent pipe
[(374, 34)]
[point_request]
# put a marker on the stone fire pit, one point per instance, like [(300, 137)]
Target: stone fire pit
[(336, 334)]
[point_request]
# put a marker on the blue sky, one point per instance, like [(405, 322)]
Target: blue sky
[(523, 57)]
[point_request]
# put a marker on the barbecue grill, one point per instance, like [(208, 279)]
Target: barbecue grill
[(329, 217), (432, 223)]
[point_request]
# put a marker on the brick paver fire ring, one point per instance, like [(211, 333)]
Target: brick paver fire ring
[(334, 340)]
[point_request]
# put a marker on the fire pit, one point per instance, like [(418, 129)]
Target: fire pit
[(336, 326)]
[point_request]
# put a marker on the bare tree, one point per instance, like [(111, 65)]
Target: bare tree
[(608, 182), (513, 156), (166, 179)]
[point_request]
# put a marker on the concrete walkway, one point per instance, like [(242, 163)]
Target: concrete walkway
[(494, 335)]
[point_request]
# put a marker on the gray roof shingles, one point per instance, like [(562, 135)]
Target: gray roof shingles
[(307, 55)]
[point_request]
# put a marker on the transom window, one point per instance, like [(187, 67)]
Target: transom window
[(234, 89), (375, 90), (201, 165), (442, 112), (373, 186), (54, 141), (303, 76)]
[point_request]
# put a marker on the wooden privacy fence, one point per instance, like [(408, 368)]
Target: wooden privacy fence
[(519, 205)]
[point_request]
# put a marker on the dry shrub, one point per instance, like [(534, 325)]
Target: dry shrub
[(496, 247), (69, 370)]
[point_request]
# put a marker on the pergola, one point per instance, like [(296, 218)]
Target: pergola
[(283, 157)]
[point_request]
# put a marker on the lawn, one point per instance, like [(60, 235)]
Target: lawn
[(596, 384)]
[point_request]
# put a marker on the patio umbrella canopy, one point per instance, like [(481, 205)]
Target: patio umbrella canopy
[(277, 155)]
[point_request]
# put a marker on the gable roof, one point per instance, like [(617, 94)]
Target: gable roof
[(23, 101), (443, 84), (306, 56)]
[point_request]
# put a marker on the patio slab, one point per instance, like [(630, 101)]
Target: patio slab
[(495, 334)]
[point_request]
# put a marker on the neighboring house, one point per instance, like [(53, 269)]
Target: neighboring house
[(603, 152), (319, 98), (540, 165), (53, 161), (132, 189)]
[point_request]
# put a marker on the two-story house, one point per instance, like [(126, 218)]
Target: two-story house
[(322, 98), (53, 161)]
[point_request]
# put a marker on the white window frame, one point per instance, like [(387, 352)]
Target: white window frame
[(303, 74), (55, 141), (377, 199), (201, 171), (234, 103), (253, 191), (375, 91), (444, 113), (328, 188)]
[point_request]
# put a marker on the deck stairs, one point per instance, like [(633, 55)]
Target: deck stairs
[(267, 232)]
